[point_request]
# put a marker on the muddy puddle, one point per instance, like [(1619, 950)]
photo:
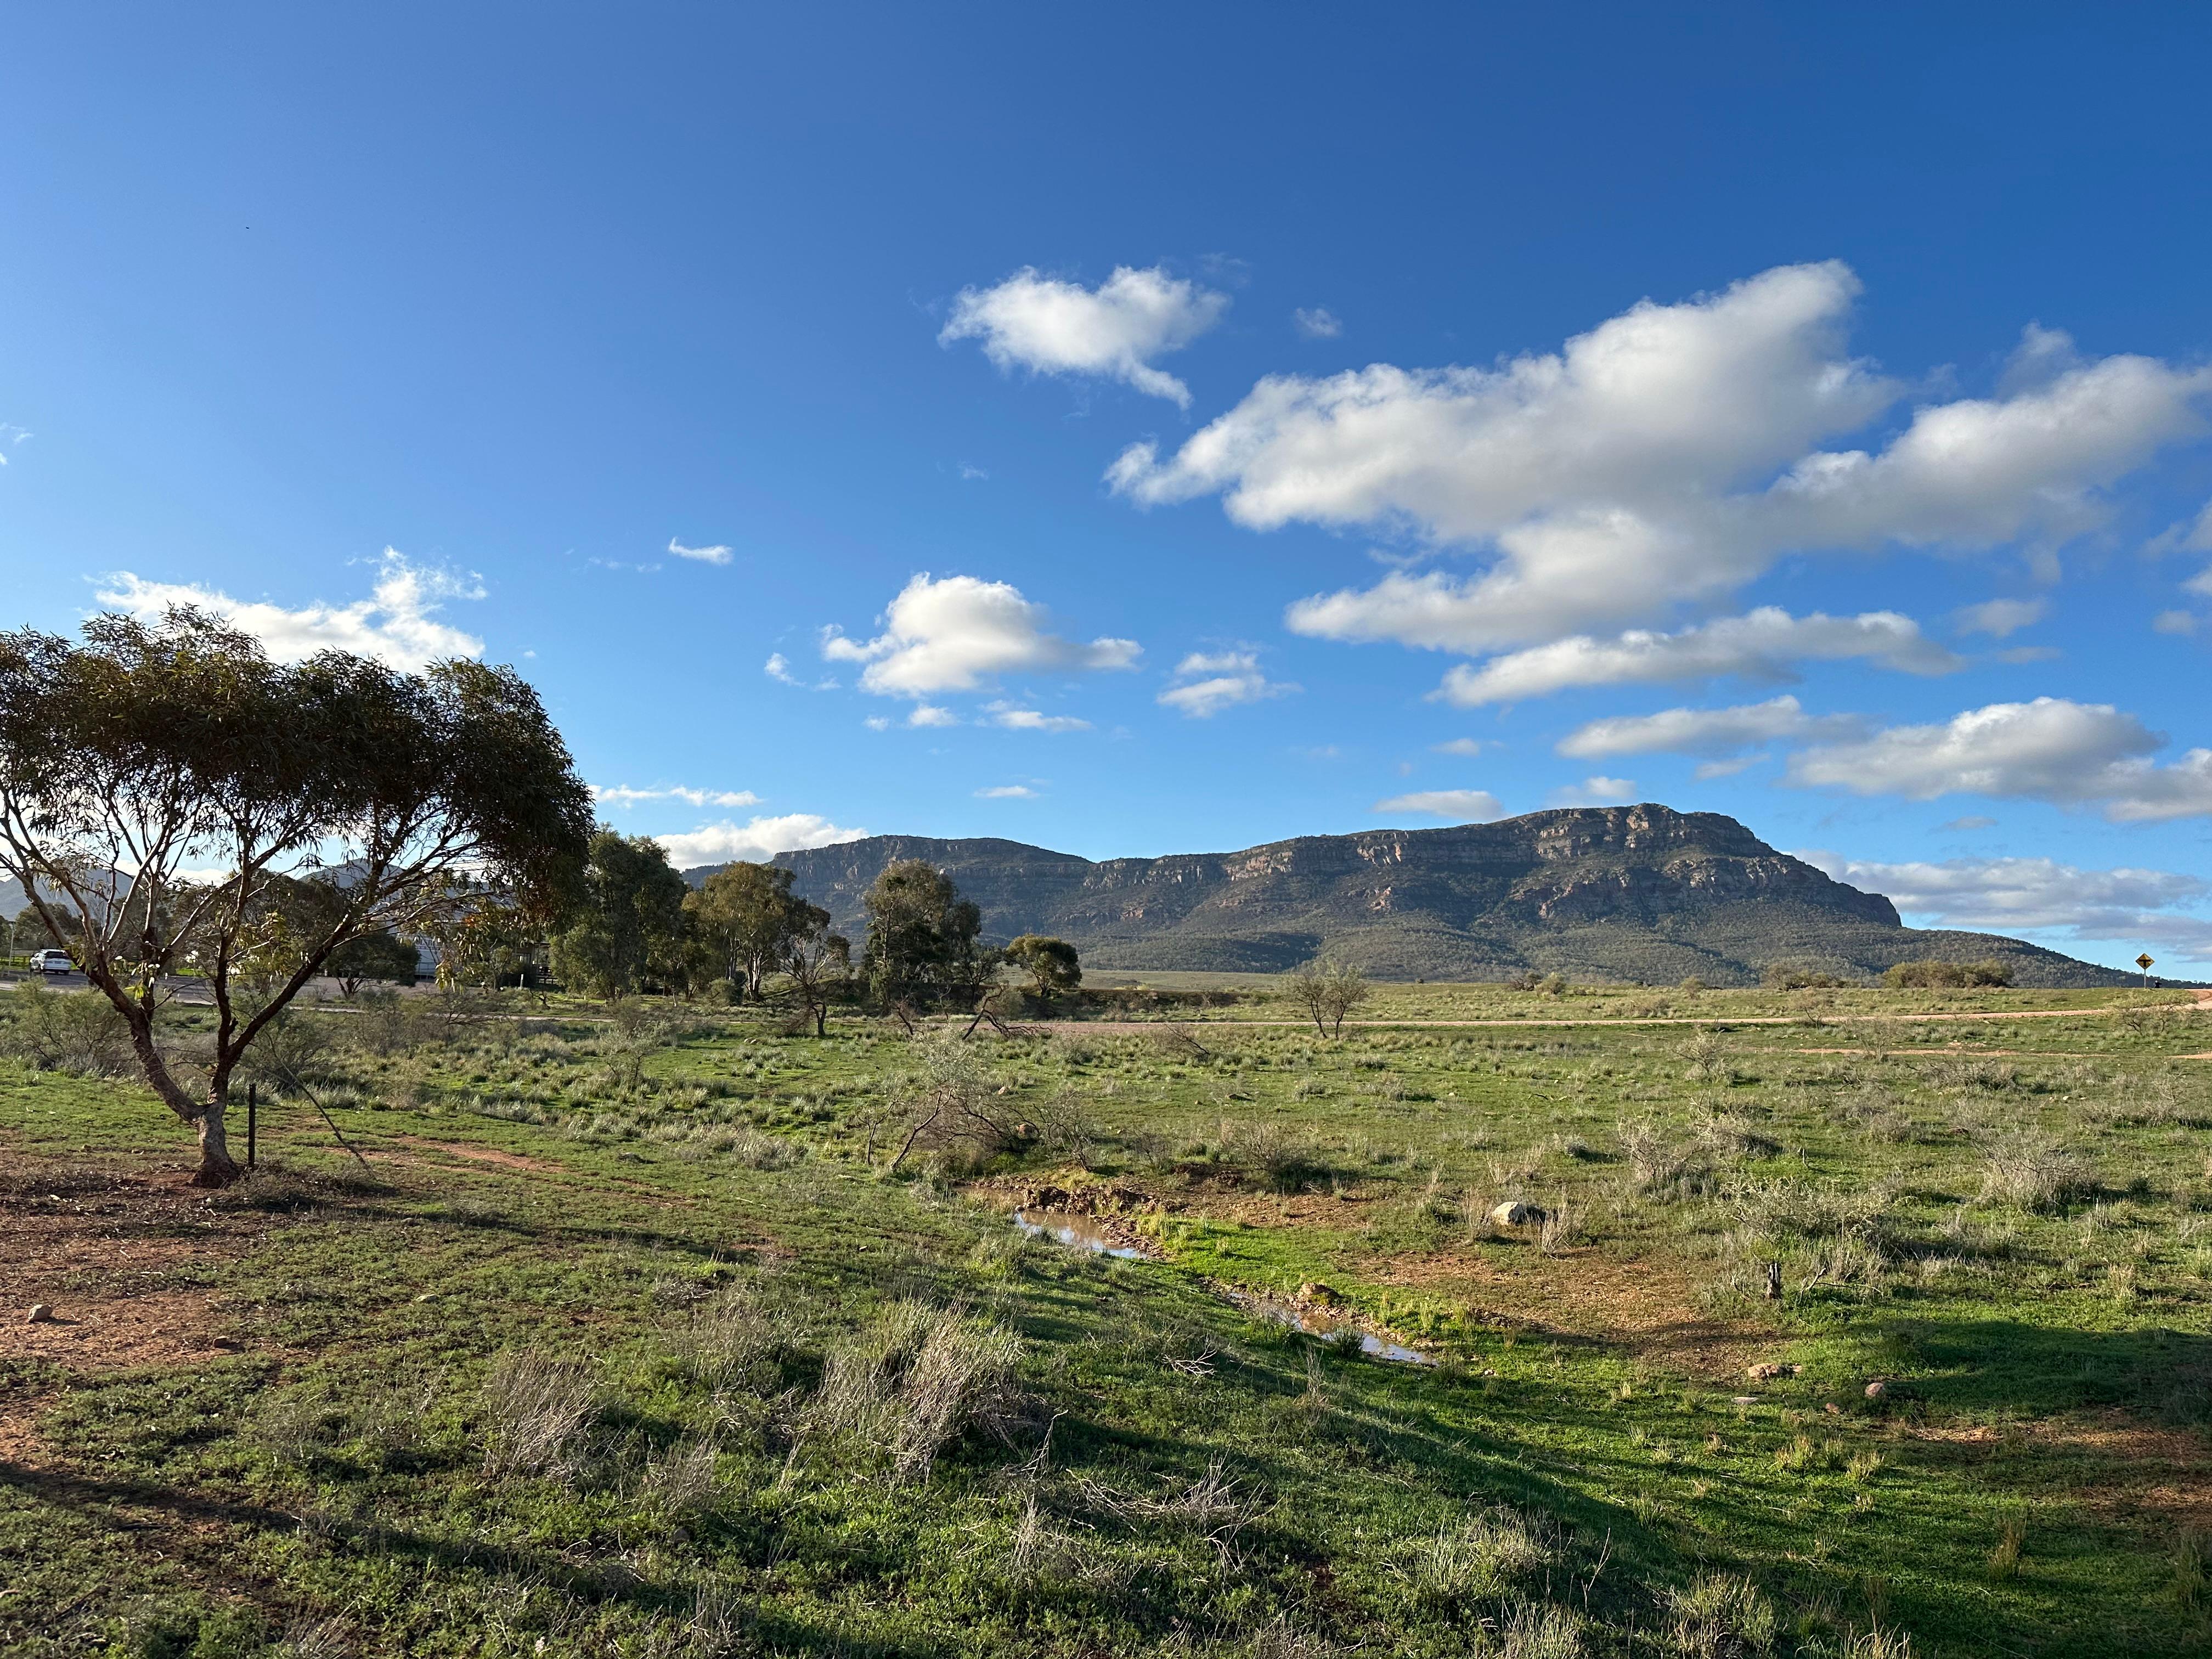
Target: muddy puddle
[(1315, 1321), (1078, 1232)]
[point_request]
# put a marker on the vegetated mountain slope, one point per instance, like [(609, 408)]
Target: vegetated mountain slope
[(1621, 893)]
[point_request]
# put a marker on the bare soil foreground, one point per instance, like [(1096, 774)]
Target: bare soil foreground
[(651, 1330)]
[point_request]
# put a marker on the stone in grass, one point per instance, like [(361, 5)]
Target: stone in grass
[(1327, 1295), (1883, 1391), (1513, 1213), (40, 1314)]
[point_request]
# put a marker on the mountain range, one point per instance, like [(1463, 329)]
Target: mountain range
[(1635, 894)]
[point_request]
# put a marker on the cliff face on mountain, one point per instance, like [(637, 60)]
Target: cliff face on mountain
[(1625, 893)]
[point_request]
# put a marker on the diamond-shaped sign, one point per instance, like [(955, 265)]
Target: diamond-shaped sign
[(2146, 961)]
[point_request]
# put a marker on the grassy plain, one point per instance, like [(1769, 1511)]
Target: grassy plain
[(625, 1341)]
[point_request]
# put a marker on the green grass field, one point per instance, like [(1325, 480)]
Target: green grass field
[(629, 1338)]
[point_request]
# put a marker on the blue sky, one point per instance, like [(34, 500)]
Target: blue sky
[(1183, 427)]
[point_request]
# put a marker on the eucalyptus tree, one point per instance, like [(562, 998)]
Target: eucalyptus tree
[(745, 920), (136, 760)]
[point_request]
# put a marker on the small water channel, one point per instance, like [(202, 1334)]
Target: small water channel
[(1078, 1232), (1083, 1232), (1329, 1327)]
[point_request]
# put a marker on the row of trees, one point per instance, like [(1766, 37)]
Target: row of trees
[(635, 924)]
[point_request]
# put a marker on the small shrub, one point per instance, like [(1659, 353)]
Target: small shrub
[(1662, 1167), (740, 1337), (75, 1031)]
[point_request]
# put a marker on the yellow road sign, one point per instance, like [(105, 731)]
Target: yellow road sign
[(2146, 961)]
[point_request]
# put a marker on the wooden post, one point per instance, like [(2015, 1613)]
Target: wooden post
[(1774, 1281), (253, 1120)]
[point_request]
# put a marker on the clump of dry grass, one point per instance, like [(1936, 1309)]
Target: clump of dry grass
[(1721, 1616), (536, 1410), (2036, 1172), (916, 1380), (1489, 1558), (738, 1336)]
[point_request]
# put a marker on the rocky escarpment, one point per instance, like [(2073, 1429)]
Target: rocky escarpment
[(1618, 892)]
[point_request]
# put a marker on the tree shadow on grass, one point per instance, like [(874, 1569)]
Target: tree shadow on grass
[(1975, 1367)]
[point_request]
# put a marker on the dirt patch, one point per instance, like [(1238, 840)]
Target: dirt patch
[(1633, 1304), (479, 1154), (102, 1248)]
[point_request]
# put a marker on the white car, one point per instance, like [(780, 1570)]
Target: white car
[(51, 962)]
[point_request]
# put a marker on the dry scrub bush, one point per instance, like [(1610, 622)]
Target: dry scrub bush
[(1217, 1506), (1663, 1167), (535, 1409), (2034, 1170), (1284, 1164), (77, 1032), (1541, 1631), (950, 1109)]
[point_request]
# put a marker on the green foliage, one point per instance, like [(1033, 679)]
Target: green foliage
[(627, 928), (162, 748), (381, 955), (747, 923), (1052, 964), (921, 946), (1928, 975)]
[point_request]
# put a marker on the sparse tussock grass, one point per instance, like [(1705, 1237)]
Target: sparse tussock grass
[(1490, 1559), (2037, 1172), (536, 1408), (1720, 1616)]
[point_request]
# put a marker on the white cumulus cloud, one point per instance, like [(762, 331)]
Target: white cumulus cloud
[(715, 555), (1114, 331), (1015, 717), (754, 840), (1209, 681), (1760, 645), (1599, 791), (2002, 618), (397, 624), (1465, 805), (1669, 456), (953, 635), (2050, 750), (2039, 895), (1705, 731)]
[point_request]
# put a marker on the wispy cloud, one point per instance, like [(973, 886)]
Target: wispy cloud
[(1209, 681), (1317, 323), (623, 795), (714, 554), (1006, 792)]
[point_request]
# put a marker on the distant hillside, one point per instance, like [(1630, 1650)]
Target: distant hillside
[(1618, 893)]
